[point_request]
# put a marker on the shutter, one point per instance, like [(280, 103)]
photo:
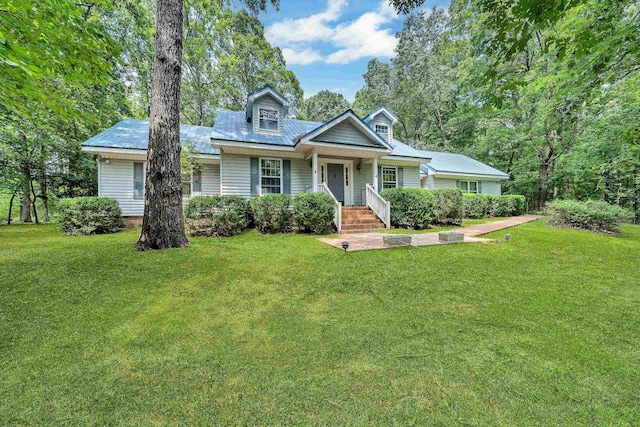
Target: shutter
[(286, 176), (400, 178), (379, 178), (197, 181), (255, 176), (479, 187), (458, 184)]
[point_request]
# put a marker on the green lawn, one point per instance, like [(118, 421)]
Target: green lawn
[(271, 330)]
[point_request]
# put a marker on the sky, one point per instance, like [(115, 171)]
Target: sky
[(327, 43)]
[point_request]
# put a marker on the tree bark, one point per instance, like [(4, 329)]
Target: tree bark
[(25, 208), (13, 196), (163, 221)]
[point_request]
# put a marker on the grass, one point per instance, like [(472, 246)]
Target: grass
[(273, 330)]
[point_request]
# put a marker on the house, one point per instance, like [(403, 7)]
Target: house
[(261, 151), (449, 170)]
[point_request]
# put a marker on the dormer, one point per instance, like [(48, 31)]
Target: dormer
[(266, 109), (381, 120)]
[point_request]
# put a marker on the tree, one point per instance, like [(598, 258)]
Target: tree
[(323, 106)]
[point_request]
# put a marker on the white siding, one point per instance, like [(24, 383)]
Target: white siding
[(491, 187), (116, 181), (361, 178), (427, 182), (345, 132), (440, 183), (411, 176), (210, 180), (300, 176), (236, 175), (267, 102)]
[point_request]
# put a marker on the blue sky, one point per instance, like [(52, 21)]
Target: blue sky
[(327, 43)]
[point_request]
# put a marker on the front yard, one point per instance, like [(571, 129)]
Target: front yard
[(283, 329)]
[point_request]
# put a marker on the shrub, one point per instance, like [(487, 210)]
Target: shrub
[(450, 206), (499, 206), (271, 213), (413, 208), (591, 215), (220, 216), (517, 204), (476, 206), (89, 215), (313, 212)]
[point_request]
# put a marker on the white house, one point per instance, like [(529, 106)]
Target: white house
[(260, 151)]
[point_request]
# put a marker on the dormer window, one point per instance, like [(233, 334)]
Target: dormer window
[(268, 119), (383, 131)]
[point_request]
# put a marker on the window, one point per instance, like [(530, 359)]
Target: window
[(389, 177), (268, 119), (138, 180), (270, 176), (382, 130), (469, 186), (197, 182)]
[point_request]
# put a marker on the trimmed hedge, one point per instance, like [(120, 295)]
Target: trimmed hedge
[(593, 215), (413, 208), (487, 205), (271, 213), (219, 216), (89, 215), (450, 207), (313, 212)]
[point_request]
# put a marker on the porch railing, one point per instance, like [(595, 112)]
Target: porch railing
[(337, 210), (378, 205)]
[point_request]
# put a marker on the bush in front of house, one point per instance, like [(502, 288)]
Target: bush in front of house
[(413, 208), (479, 206), (89, 215), (593, 215), (271, 213), (313, 212), (476, 206), (450, 206), (219, 216)]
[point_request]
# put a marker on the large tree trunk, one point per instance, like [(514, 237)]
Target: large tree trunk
[(163, 222), (25, 208)]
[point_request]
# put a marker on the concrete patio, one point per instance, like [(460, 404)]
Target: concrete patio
[(367, 241)]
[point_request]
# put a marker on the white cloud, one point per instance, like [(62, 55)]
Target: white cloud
[(302, 57), (362, 38)]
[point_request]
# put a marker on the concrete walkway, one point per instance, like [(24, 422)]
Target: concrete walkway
[(366, 241)]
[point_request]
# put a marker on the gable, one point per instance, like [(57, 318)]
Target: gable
[(382, 119), (347, 133)]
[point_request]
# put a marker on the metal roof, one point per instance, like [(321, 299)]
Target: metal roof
[(134, 134), (459, 164)]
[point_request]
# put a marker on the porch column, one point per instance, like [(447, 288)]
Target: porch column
[(314, 167), (375, 173)]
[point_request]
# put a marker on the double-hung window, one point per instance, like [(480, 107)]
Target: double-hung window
[(268, 119), (469, 186), (138, 180), (271, 176), (382, 130), (389, 177)]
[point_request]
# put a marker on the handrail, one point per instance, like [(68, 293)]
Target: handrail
[(378, 205), (337, 209)]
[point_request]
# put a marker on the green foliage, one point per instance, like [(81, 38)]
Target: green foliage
[(413, 208), (219, 216), (313, 212), (89, 215), (593, 215), (271, 213), (450, 207), (323, 106), (487, 205)]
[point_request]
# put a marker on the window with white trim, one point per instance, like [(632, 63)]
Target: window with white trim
[(469, 186), (389, 177), (197, 182), (268, 119), (270, 176), (382, 130), (138, 180)]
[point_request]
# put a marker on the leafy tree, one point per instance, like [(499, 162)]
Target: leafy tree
[(323, 106)]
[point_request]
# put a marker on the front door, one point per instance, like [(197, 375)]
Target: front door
[(335, 180)]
